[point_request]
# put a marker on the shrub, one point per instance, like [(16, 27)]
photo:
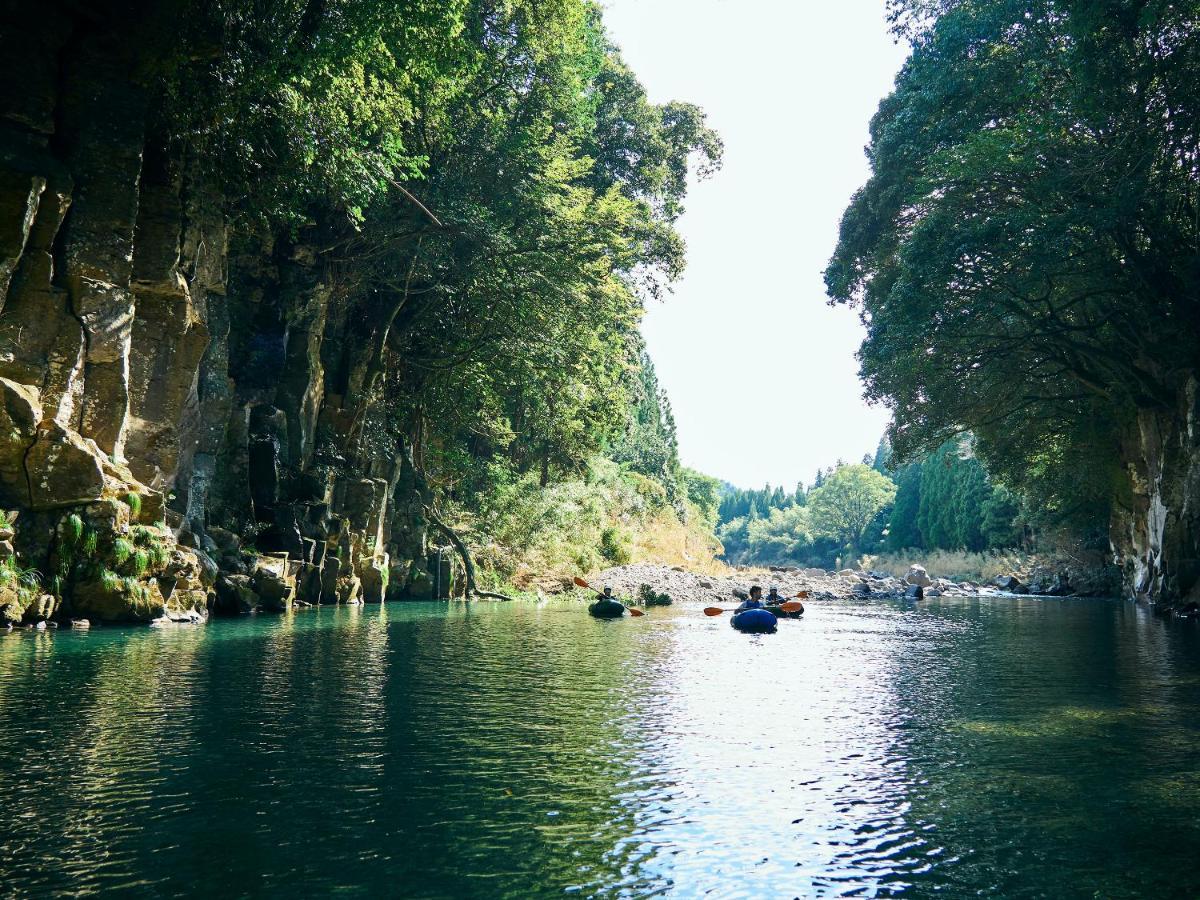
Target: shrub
[(647, 596), (614, 546)]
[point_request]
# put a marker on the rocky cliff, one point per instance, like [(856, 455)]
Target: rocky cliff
[(182, 399)]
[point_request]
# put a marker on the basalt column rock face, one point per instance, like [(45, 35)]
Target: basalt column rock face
[(1156, 528), (181, 401)]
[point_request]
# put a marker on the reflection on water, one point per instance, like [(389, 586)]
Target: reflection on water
[(1005, 747)]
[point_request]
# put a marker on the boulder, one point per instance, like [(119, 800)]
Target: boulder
[(918, 576), (272, 581), (914, 592), (1011, 584), (349, 589), (64, 469), (41, 608), (117, 600), (235, 596), (815, 573)]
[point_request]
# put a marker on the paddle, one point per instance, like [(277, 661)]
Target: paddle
[(583, 584), (789, 606)]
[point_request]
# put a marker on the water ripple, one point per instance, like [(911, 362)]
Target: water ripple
[(519, 751)]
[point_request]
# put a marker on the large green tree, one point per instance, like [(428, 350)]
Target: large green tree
[(848, 502), (1025, 253)]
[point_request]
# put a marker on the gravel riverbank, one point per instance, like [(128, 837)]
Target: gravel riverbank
[(692, 587)]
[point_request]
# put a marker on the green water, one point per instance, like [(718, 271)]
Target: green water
[(1015, 748)]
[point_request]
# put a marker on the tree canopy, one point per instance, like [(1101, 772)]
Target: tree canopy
[(1024, 256)]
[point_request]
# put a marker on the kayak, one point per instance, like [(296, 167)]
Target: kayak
[(755, 621), (607, 609), (778, 611)]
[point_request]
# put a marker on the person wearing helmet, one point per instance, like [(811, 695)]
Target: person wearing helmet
[(607, 593), (774, 601)]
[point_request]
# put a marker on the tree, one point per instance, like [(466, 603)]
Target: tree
[(848, 501), (903, 530), (703, 491), (1023, 255)]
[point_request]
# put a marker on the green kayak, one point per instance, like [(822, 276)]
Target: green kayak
[(605, 608)]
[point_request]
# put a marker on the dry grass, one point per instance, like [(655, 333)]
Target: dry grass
[(665, 540), (956, 565)]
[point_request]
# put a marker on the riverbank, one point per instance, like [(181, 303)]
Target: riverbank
[(696, 587)]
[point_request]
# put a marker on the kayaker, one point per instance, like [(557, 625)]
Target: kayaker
[(606, 594), (774, 601), (755, 601)]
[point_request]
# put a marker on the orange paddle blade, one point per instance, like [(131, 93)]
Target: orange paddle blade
[(792, 606), (803, 595), (713, 610), (634, 612), (581, 583)]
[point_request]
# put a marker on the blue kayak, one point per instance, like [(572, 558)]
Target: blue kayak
[(607, 609), (755, 621)]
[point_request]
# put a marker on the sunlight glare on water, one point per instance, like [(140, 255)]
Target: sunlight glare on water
[(1005, 747)]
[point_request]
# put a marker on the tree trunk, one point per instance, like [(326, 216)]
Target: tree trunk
[(464, 554)]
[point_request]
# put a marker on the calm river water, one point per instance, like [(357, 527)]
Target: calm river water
[(1005, 747)]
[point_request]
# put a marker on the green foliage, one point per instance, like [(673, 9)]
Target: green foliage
[(72, 529), (848, 502), (704, 493), (134, 502), (139, 564), (647, 596), (157, 556), (89, 543), (736, 502), (903, 528), (1024, 253), (649, 445), (500, 197), (522, 527), (948, 502), (121, 551), (145, 535), (614, 546), (23, 577)]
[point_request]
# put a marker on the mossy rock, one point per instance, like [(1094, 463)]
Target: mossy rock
[(12, 605), (117, 600)]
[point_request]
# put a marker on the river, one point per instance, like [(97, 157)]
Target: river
[(1006, 747)]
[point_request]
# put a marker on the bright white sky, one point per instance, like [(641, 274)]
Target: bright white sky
[(760, 371)]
